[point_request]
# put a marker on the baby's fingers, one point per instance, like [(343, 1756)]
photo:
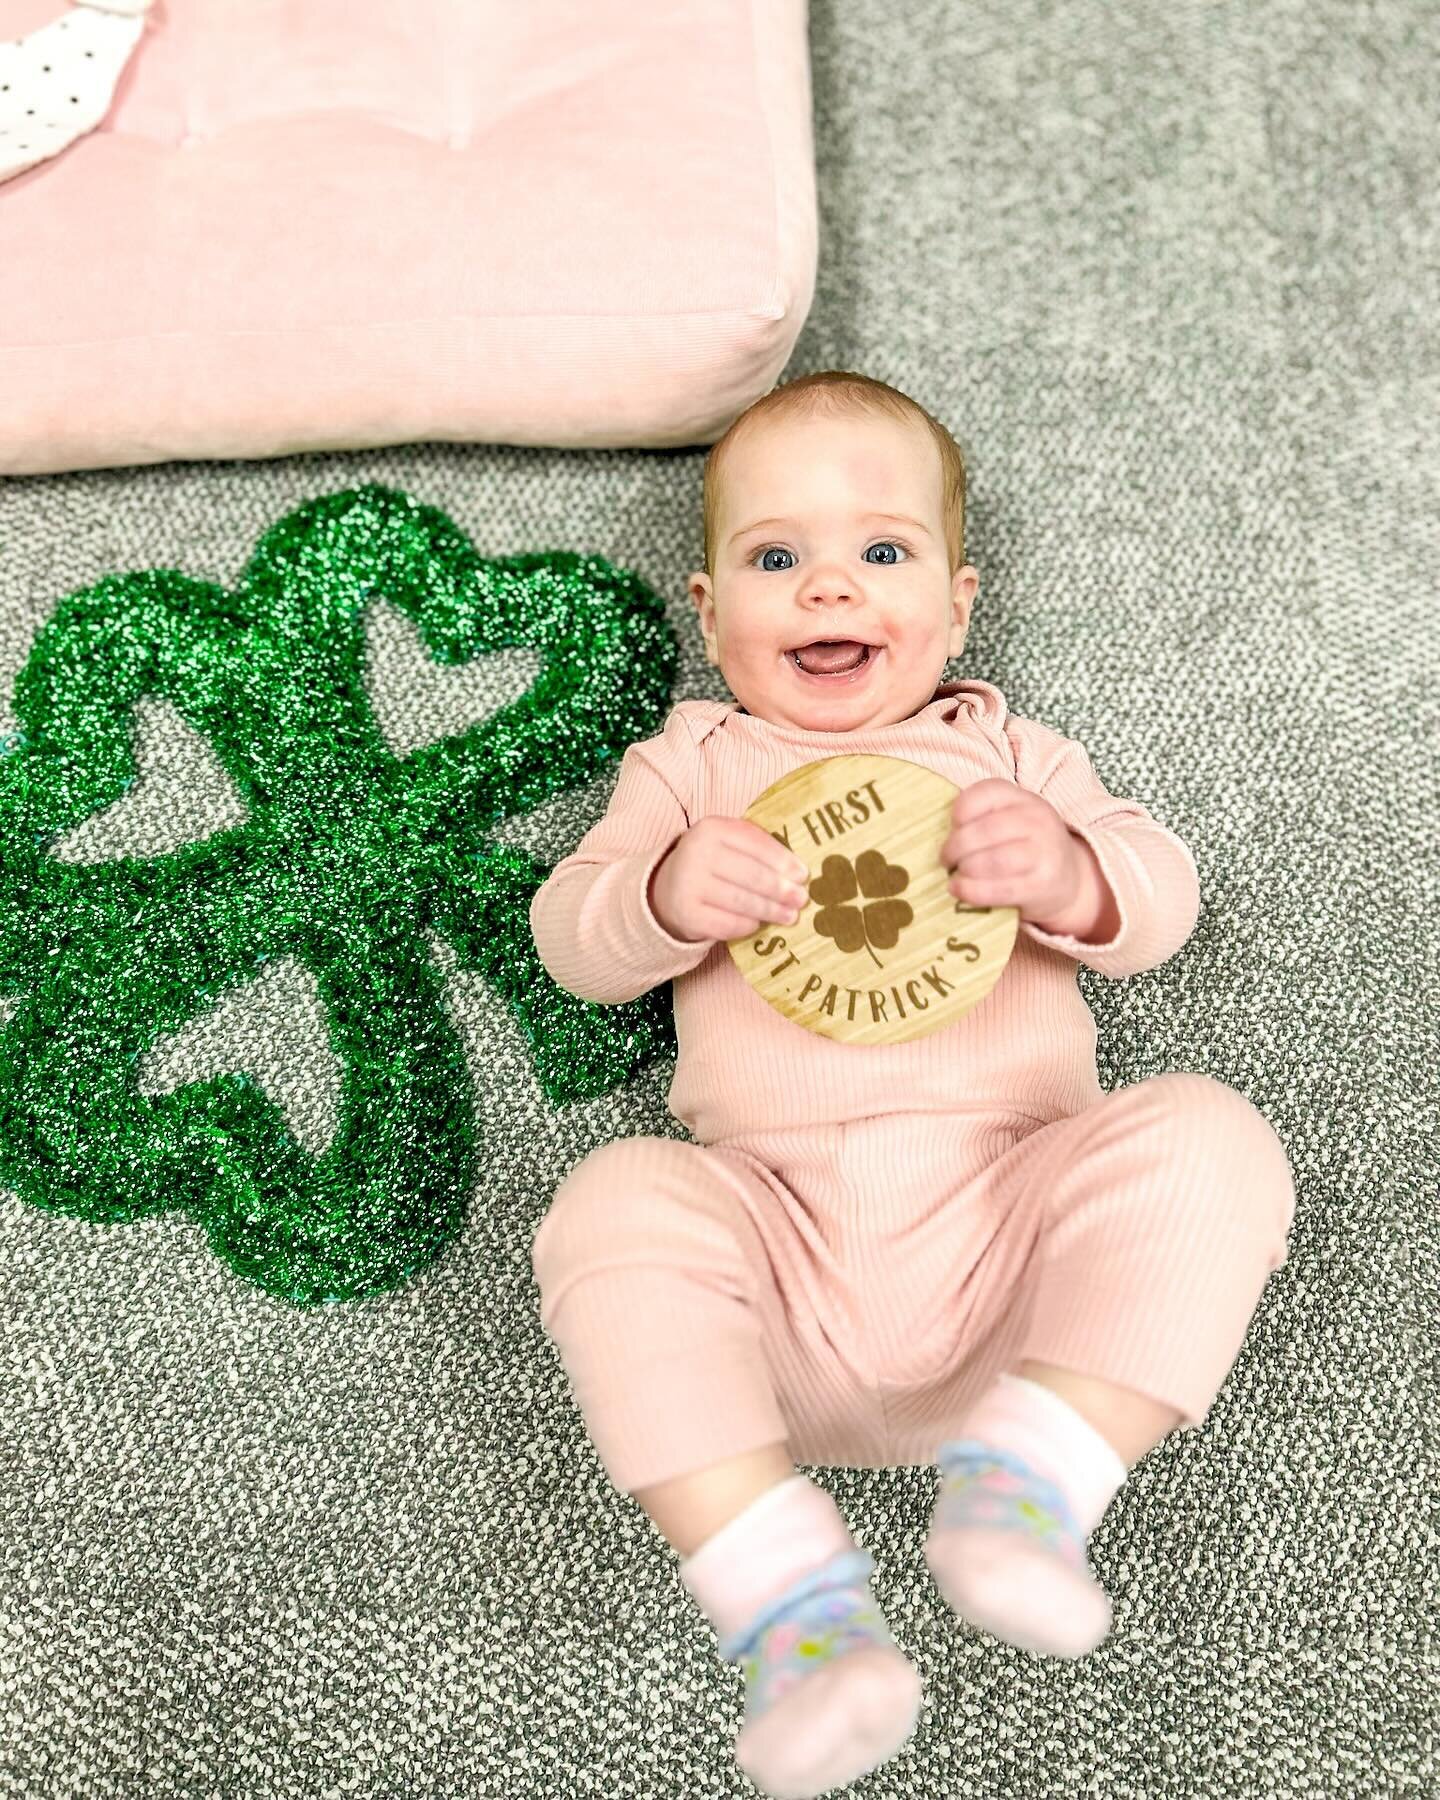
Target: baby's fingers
[(736, 909), (753, 909), (755, 882)]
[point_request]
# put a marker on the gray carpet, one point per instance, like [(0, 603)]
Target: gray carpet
[(1171, 274)]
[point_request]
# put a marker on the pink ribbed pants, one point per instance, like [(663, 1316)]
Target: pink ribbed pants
[(852, 1290)]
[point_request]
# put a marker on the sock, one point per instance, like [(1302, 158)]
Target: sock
[(828, 1692), (1020, 1494)]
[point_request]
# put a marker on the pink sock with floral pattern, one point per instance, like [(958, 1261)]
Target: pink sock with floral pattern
[(1020, 1493), (828, 1692)]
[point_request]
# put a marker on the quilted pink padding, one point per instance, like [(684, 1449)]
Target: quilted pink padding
[(328, 224)]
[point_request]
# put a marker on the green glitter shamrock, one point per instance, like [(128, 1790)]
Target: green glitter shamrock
[(348, 855)]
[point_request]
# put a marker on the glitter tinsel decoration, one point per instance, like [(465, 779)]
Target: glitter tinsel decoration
[(349, 854)]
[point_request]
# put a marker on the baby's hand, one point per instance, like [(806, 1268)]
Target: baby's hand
[(724, 877), (1010, 847)]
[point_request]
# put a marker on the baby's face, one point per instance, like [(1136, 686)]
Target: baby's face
[(805, 552)]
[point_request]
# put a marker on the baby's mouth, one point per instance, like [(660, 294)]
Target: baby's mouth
[(840, 656)]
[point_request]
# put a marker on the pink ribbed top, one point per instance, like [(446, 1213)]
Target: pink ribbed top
[(1028, 1047)]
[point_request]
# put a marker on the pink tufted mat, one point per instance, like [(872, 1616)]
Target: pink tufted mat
[(336, 223)]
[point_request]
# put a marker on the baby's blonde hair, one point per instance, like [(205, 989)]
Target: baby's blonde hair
[(838, 392)]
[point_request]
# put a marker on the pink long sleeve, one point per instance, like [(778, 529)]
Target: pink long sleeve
[(1028, 1047), (592, 922), (1152, 874)]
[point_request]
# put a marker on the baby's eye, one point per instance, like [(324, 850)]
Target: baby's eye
[(772, 550), (889, 544)]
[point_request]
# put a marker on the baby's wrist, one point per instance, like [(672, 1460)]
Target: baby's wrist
[(656, 906)]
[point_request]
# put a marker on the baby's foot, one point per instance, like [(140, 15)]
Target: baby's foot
[(1007, 1553), (829, 1694)]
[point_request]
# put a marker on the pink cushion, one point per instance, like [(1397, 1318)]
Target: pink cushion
[(339, 223)]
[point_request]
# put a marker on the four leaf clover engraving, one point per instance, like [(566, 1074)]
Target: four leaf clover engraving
[(879, 920), (349, 854)]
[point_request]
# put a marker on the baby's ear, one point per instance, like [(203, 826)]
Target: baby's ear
[(703, 599)]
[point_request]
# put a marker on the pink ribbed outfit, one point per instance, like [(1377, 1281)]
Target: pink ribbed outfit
[(861, 1237)]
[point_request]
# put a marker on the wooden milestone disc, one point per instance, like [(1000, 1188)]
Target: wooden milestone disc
[(882, 951)]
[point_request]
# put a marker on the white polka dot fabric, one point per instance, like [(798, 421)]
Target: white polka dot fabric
[(57, 83)]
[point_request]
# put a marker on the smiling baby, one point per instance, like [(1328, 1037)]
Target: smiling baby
[(955, 1250)]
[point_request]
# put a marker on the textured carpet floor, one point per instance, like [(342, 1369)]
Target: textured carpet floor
[(1172, 276)]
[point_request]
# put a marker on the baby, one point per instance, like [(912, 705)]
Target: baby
[(956, 1249)]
